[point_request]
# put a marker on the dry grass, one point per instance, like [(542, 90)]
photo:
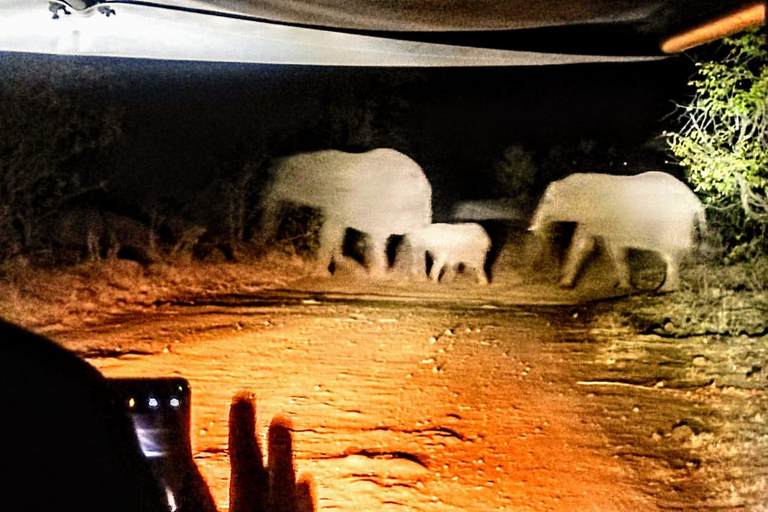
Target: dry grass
[(719, 320), (89, 292), (728, 300), (749, 276)]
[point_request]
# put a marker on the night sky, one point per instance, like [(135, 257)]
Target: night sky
[(187, 125)]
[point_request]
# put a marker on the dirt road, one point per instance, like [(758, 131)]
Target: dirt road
[(400, 404)]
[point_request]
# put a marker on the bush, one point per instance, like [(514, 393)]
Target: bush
[(298, 233), (722, 142)]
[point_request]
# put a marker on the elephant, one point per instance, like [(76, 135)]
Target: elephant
[(450, 245), (486, 209), (380, 193), (651, 211)]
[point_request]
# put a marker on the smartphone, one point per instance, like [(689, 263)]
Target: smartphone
[(160, 411)]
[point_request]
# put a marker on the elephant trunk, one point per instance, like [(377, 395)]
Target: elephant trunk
[(538, 221)]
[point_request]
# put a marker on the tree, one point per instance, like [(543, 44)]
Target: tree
[(366, 111), (42, 133), (722, 142), (515, 173), (241, 192)]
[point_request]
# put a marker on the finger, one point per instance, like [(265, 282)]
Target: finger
[(195, 495), (305, 496), (249, 481), (282, 475)]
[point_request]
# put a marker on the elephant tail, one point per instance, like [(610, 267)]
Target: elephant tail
[(702, 244), (700, 220)]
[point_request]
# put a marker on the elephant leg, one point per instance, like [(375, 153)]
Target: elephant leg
[(482, 278), (438, 263), (378, 263), (418, 262), (672, 279), (482, 275), (450, 271), (581, 247), (619, 257), (331, 238)]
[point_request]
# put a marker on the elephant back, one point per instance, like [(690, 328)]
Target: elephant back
[(399, 188), (648, 210), (304, 177), (381, 190)]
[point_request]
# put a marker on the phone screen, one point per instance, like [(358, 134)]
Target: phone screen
[(160, 411)]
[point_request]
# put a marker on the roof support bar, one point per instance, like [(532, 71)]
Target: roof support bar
[(743, 19)]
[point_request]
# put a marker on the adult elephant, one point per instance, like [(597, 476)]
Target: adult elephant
[(380, 193), (651, 211)]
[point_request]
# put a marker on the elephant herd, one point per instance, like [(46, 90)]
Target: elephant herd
[(383, 192)]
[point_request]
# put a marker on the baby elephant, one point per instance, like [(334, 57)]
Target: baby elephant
[(450, 245)]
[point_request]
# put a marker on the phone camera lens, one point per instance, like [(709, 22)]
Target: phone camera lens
[(175, 402)]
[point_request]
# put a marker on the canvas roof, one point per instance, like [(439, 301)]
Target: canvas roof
[(371, 32)]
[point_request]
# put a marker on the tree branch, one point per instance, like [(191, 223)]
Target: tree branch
[(751, 200)]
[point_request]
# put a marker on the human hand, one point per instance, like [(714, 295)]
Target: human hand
[(253, 485), (80, 409)]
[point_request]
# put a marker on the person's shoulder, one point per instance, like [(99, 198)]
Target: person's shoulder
[(66, 439), (22, 352)]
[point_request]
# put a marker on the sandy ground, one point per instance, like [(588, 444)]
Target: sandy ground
[(422, 397)]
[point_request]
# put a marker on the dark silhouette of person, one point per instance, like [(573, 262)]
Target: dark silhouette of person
[(66, 444)]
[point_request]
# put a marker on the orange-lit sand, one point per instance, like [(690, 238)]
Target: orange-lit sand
[(396, 405)]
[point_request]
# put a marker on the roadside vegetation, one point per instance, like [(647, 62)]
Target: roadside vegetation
[(49, 299), (708, 342), (721, 142)]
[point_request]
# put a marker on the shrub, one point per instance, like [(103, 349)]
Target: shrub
[(722, 142)]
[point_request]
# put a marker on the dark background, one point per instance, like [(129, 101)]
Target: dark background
[(189, 128)]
